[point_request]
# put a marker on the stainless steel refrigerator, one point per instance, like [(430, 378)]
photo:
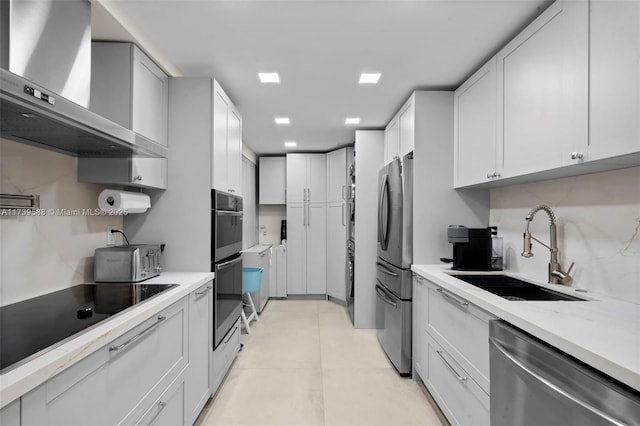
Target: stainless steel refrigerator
[(395, 255)]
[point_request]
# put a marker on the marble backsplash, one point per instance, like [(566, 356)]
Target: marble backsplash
[(41, 254), (598, 217)]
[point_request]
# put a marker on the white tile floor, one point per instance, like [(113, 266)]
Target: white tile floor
[(304, 365)]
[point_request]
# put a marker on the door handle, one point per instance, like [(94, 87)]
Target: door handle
[(308, 215), (383, 296), (385, 270), (452, 298), (343, 220), (344, 195), (228, 264)]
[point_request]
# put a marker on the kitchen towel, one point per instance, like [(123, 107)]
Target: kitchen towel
[(122, 202)]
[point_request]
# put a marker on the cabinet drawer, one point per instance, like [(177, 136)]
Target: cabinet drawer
[(168, 409), (461, 399), (462, 329), (224, 354), (118, 382)]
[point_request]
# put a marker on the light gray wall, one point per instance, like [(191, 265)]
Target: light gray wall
[(369, 159)]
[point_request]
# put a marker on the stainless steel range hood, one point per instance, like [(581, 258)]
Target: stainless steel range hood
[(29, 113), (45, 75)]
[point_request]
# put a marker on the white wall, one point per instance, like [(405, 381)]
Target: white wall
[(598, 228), (369, 160), (42, 254), (269, 219)]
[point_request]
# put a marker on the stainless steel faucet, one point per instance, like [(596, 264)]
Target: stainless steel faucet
[(556, 274)]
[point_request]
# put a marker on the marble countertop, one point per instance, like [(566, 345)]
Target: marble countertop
[(601, 332), (20, 380), (258, 248)]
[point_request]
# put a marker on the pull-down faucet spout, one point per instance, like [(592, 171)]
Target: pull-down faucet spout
[(556, 274)]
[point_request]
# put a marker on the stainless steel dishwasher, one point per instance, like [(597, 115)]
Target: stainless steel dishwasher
[(533, 383)]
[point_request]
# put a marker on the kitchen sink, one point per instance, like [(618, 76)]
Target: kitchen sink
[(514, 289)]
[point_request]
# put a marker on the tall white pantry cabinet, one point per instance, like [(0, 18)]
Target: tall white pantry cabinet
[(306, 224)]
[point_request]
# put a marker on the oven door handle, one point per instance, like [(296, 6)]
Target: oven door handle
[(383, 296), (227, 213), (225, 265), (547, 383)]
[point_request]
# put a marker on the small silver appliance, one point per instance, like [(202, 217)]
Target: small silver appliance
[(130, 263)]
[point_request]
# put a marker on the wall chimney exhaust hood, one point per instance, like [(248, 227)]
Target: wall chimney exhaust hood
[(45, 82)]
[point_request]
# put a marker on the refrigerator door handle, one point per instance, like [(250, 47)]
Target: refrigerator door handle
[(383, 207)]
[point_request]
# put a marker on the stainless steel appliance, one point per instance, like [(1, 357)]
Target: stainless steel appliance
[(34, 326), (395, 254), (350, 277), (226, 261), (351, 245), (127, 264), (45, 61), (533, 383)]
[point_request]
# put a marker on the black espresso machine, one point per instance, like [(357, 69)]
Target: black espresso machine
[(475, 249)]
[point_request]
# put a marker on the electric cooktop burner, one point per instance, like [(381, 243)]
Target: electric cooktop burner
[(37, 325)]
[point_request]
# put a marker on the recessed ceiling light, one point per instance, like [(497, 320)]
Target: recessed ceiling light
[(352, 120), (269, 77), (369, 78), (282, 120), (290, 144)]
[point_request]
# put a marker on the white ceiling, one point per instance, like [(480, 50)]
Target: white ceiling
[(320, 48)]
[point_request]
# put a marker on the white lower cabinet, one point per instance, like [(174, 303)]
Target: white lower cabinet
[(459, 397), (197, 388), (451, 352), (10, 414), (224, 355), (337, 250), (119, 383)]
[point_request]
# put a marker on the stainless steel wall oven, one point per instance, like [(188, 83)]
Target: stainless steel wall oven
[(226, 261)]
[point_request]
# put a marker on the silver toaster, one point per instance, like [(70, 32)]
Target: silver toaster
[(132, 263)]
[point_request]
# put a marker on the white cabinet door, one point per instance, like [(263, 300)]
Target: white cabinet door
[(220, 132), (10, 414), (317, 178), (316, 248), (614, 80), (407, 129), (265, 284), (337, 175), (337, 249), (392, 140), (297, 248), (543, 89), (197, 386), (150, 98), (272, 180), (234, 152), (149, 172), (296, 178), (475, 127)]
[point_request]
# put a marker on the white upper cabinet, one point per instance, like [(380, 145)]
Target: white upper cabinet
[(399, 135), (306, 178), (337, 175), (272, 180), (614, 80), (543, 91), (227, 144), (475, 128), (130, 89)]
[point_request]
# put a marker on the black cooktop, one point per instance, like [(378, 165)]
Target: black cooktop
[(35, 325)]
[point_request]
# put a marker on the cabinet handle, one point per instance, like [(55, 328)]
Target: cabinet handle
[(343, 214), (308, 194), (463, 379), (161, 406), (205, 291), (489, 175), (452, 298), (231, 190), (263, 254), (308, 215), (344, 195), (497, 175), (137, 177), (577, 156), (114, 348), (419, 278)]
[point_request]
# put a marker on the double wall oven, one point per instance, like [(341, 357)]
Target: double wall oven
[(226, 261)]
